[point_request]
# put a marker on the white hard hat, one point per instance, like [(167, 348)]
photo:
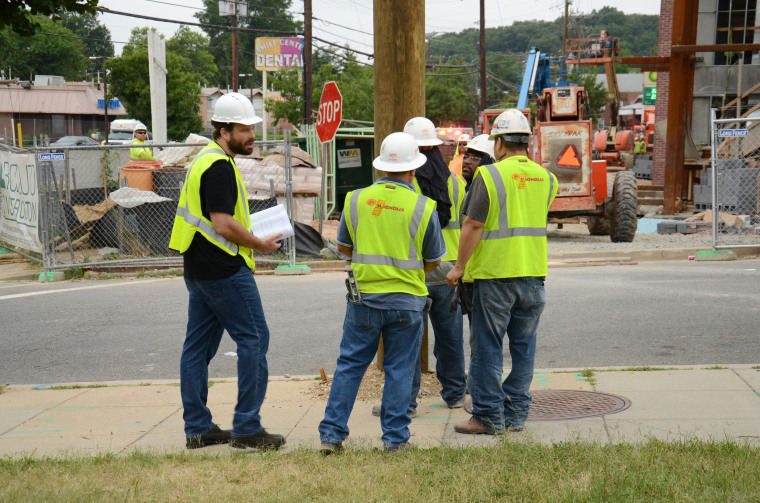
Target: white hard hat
[(483, 144), (464, 137), (140, 127), (512, 123), (236, 108), (423, 131), (399, 153)]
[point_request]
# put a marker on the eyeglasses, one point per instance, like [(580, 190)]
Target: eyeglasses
[(470, 155), (141, 132)]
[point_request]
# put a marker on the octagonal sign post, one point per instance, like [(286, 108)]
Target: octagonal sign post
[(330, 112)]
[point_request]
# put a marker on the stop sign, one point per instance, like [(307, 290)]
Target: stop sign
[(330, 112)]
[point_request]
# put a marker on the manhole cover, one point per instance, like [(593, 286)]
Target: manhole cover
[(553, 405), (549, 404)]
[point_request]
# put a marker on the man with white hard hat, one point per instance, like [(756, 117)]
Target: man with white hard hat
[(478, 152), (393, 237), (141, 152), (503, 246), (455, 164), (435, 181), (212, 231)]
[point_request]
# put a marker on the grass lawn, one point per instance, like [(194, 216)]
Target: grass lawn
[(651, 471)]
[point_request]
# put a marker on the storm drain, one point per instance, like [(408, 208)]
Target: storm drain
[(557, 404), (552, 405)]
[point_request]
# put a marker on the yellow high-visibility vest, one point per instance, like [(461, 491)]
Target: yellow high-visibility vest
[(141, 153), (387, 223), (455, 185), (189, 218), (513, 243)]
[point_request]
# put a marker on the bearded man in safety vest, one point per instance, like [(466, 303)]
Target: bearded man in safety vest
[(503, 245), (393, 237), (212, 231)]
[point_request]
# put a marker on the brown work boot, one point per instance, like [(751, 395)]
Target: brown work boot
[(473, 427)]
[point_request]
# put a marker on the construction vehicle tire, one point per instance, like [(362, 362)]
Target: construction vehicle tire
[(598, 225), (625, 200), (628, 161)]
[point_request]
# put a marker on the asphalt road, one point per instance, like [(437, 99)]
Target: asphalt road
[(653, 313)]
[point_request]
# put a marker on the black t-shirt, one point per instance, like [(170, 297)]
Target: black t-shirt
[(203, 259)]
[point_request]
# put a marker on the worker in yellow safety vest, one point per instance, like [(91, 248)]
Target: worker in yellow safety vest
[(455, 164), (503, 245), (433, 180), (142, 152), (393, 237), (212, 231)]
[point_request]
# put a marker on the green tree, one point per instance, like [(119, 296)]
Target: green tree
[(596, 92), (287, 83), (266, 18), (24, 16), (130, 81), (54, 50), (96, 37), (450, 93), (194, 47), (354, 80)]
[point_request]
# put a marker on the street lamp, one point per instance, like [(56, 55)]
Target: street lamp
[(105, 92)]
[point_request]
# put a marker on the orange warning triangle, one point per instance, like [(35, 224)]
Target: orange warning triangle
[(569, 158)]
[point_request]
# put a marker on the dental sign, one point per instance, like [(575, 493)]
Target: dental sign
[(275, 53)]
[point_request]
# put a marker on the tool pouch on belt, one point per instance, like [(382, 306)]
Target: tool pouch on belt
[(354, 295)]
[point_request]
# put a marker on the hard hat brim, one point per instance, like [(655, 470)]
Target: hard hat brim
[(429, 143), (399, 167)]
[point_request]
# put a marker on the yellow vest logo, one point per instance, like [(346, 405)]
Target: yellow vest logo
[(380, 206), (523, 178)]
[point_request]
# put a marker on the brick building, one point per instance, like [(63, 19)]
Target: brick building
[(716, 73)]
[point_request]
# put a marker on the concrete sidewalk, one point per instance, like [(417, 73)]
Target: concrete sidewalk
[(682, 403)]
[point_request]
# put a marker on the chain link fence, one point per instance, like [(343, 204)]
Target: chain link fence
[(731, 189), (98, 209)]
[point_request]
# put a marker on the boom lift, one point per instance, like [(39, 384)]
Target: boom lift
[(614, 146)]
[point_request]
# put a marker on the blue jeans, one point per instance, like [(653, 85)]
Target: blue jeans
[(231, 304), (448, 348), (362, 328), (510, 306)]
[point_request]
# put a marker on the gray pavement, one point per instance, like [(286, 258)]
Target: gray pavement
[(672, 405)]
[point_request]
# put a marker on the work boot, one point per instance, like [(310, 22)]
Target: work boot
[(328, 448), (473, 427), (395, 449), (214, 436), (260, 440)]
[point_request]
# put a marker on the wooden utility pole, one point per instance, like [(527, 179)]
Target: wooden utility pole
[(399, 65), (307, 81), (483, 92), (234, 51), (564, 33)]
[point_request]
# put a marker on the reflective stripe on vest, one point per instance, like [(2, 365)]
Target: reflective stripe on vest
[(198, 222), (504, 231), (185, 218), (520, 251), (412, 263)]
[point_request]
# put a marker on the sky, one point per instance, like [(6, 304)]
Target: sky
[(350, 21)]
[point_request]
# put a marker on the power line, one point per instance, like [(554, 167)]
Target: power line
[(372, 56), (201, 25), (340, 25)]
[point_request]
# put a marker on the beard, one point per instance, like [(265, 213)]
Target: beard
[(240, 147)]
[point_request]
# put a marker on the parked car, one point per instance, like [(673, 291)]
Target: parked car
[(74, 141)]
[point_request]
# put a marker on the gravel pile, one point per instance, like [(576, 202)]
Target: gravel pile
[(575, 238)]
